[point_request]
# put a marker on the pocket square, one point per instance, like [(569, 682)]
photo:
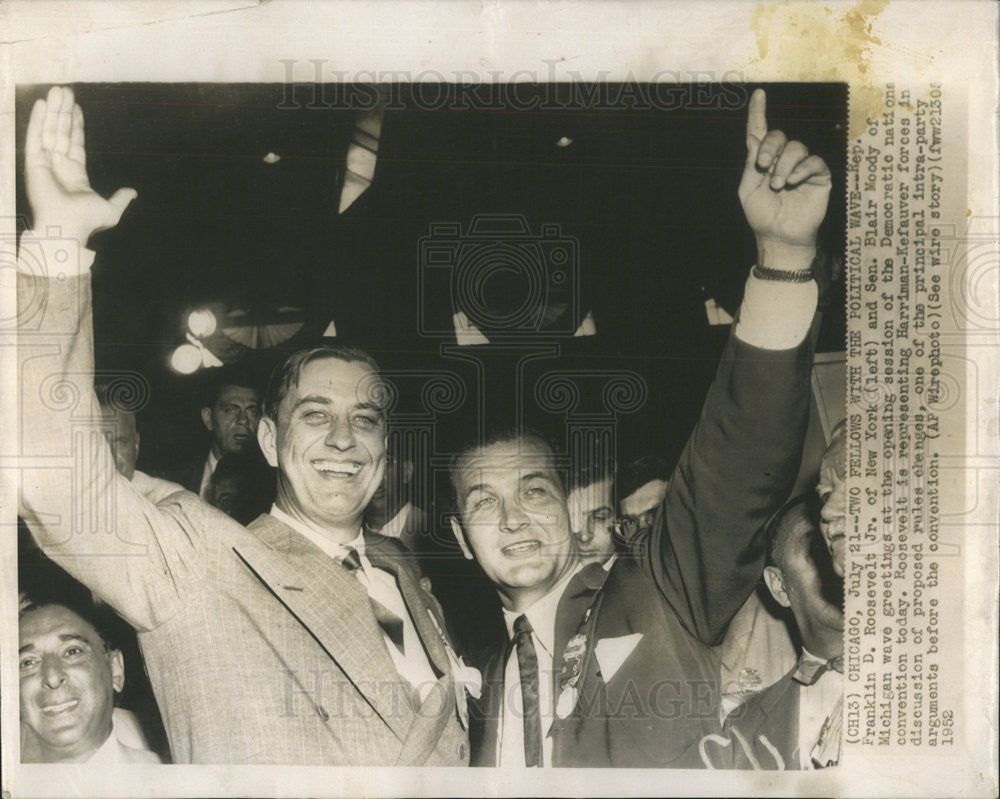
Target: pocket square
[(611, 653)]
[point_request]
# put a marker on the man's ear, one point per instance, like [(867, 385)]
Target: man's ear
[(117, 669), (776, 585), (456, 528), (267, 437), (206, 418)]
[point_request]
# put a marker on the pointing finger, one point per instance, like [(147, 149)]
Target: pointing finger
[(757, 115)]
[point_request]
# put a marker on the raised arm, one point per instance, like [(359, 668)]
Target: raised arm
[(85, 516), (706, 551)]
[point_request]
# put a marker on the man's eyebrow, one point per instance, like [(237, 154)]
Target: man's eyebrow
[(474, 488), (535, 476), (74, 637), (317, 398), (370, 406), (26, 648)]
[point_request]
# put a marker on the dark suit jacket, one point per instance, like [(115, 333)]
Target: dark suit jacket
[(260, 648), (763, 732), (667, 606), (188, 473)]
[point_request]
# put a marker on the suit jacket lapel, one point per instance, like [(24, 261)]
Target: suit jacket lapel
[(780, 709), (430, 633), (485, 713), (333, 606), (577, 597)]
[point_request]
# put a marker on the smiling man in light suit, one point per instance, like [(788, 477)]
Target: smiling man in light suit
[(297, 640), (637, 685)]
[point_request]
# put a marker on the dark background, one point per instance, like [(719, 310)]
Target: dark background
[(645, 194)]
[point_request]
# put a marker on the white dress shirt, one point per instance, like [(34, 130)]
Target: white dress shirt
[(114, 751), (542, 616), (775, 315), (816, 702), (413, 666)]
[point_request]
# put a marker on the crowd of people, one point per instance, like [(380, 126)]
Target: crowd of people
[(683, 615)]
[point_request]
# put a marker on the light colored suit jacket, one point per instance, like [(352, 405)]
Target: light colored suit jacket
[(260, 648)]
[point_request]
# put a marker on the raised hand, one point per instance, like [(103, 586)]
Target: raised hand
[(784, 192), (55, 166)]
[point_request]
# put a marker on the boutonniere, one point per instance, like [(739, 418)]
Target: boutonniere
[(569, 672)]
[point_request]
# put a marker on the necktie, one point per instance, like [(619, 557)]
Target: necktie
[(390, 623), (527, 666)]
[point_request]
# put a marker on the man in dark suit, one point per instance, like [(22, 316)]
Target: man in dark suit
[(795, 723), (296, 640), (231, 414), (638, 684)]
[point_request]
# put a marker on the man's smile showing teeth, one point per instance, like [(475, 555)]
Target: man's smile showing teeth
[(337, 468), (520, 548), (52, 710)]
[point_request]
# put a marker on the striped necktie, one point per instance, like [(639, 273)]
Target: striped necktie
[(390, 623)]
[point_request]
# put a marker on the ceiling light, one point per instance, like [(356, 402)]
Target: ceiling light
[(202, 323), (564, 141), (186, 359), (272, 158)]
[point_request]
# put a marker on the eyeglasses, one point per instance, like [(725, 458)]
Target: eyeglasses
[(626, 527)]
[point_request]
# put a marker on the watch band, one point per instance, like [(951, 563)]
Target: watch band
[(784, 275)]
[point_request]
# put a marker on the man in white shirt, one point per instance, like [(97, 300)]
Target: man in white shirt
[(795, 723), (69, 674)]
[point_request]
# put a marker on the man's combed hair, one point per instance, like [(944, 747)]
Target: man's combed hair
[(228, 375), (635, 474), (63, 592), (288, 373), (525, 436), (593, 471), (804, 507)]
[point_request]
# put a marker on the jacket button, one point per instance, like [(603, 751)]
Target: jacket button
[(322, 713)]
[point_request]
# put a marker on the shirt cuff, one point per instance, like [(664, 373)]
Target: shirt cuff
[(52, 256), (776, 315)]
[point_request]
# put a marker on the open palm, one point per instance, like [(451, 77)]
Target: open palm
[(55, 165)]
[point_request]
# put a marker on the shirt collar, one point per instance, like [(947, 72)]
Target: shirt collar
[(542, 613), (211, 461), (394, 527), (334, 550)]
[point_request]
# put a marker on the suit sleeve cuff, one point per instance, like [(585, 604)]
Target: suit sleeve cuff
[(776, 315), (52, 256)]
